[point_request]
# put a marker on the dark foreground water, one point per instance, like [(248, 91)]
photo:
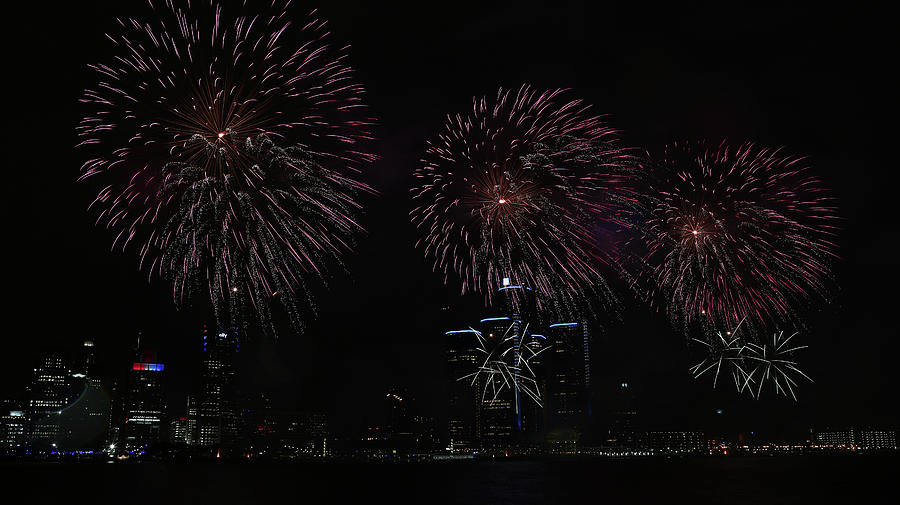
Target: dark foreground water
[(845, 479)]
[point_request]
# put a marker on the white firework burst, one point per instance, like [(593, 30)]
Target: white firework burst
[(723, 349), (773, 363), (506, 365), (752, 364)]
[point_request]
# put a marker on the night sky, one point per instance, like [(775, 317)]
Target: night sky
[(806, 78)]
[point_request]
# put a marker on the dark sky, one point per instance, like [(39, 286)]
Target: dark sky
[(812, 79)]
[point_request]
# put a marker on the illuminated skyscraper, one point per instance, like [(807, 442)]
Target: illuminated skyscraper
[(50, 392), (500, 415), (146, 402), (183, 429), (218, 420), (505, 415), (13, 424), (85, 366), (191, 421)]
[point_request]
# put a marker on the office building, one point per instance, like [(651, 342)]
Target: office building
[(463, 416), (49, 393), (568, 383), (218, 421), (85, 420), (145, 403)]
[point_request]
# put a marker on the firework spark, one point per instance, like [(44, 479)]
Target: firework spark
[(506, 365), (226, 138), (728, 233), (518, 189)]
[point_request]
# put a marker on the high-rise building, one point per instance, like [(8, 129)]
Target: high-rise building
[(183, 429), (500, 404), (623, 432), (315, 427), (504, 413), (218, 421), (49, 394), (877, 440), (13, 424), (835, 439), (192, 413), (85, 420), (534, 415), (568, 383), (85, 365), (146, 402), (463, 416), (116, 421)]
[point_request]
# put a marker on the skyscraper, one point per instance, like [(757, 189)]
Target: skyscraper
[(463, 416), (192, 412), (13, 424), (504, 415), (183, 428), (85, 420), (49, 394), (146, 403), (623, 431), (569, 382), (500, 417), (218, 417)]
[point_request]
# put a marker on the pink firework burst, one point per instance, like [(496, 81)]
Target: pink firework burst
[(521, 188), (225, 138), (723, 233)]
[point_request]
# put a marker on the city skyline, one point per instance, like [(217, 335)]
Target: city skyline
[(73, 408), (383, 321)]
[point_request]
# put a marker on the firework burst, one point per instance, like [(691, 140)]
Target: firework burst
[(520, 188), (751, 363), (723, 349), (506, 365), (731, 232), (774, 364), (226, 138)]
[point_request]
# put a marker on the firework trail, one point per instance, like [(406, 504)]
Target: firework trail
[(224, 139), (519, 188), (506, 365), (720, 234)]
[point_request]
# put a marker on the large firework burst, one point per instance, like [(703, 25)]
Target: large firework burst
[(725, 233), (506, 365), (520, 189), (226, 138)]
